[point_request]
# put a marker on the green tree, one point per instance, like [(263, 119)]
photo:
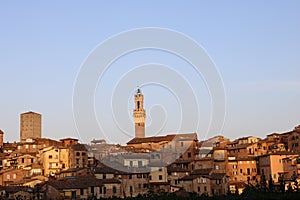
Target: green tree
[(263, 182), (271, 184), (281, 183)]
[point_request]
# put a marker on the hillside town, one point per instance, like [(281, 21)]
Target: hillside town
[(43, 168)]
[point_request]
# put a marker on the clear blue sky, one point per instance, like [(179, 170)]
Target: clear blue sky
[(255, 45)]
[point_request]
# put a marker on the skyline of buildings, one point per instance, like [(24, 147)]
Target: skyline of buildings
[(172, 163)]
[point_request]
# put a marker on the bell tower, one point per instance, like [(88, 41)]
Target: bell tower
[(139, 114)]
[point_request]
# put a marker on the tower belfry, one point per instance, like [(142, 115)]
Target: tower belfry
[(139, 114)]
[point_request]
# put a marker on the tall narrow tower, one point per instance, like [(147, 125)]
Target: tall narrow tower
[(30, 126), (139, 114)]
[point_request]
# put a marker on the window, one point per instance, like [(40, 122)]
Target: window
[(77, 154), (26, 146), (181, 144), (131, 189), (81, 191), (92, 189), (248, 171), (130, 176), (131, 163), (31, 160), (14, 176), (33, 146), (140, 164), (160, 177), (23, 160), (217, 167), (8, 176), (104, 190), (198, 189), (145, 185), (205, 188), (50, 157), (139, 186), (241, 171), (189, 154), (218, 181), (170, 146), (114, 189), (73, 194), (160, 169), (150, 177)]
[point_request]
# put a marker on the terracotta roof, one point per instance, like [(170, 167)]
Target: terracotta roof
[(189, 177), (68, 139), (202, 171), (151, 139), (79, 182), (105, 170), (176, 169), (156, 139), (217, 175), (273, 134), (182, 161), (79, 147), (30, 112)]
